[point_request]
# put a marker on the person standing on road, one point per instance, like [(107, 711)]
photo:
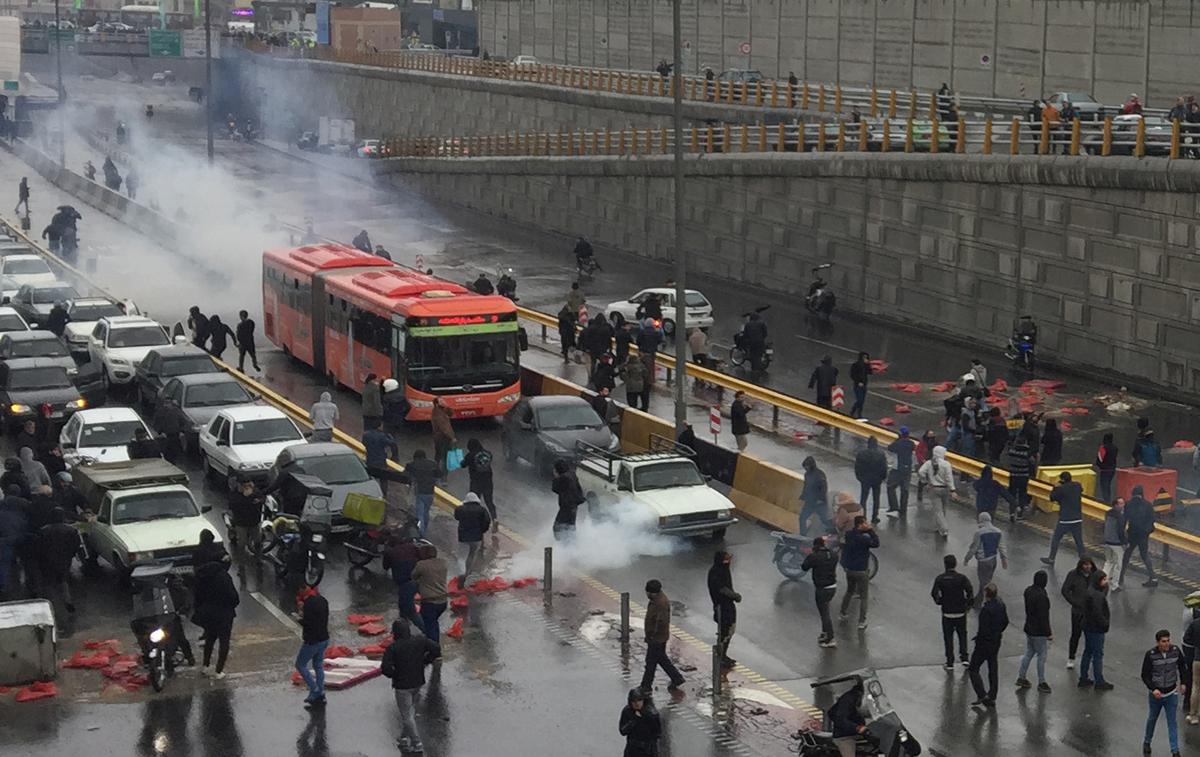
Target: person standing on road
[(478, 462), (640, 725), (823, 379), (952, 591), (1069, 496), (1052, 444), (814, 497), (637, 388), (566, 331), (1037, 632), (987, 547), (993, 619), (1114, 542), (899, 478), (324, 416), (724, 599), (698, 344), (1163, 673), (372, 402), (1020, 464), (570, 497), (55, 546), (215, 608), (1074, 590), (938, 477), (860, 374), (404, 662), (473, 523), (871, 470), (1139, 519), (649, 338), (443, 433), (969, 424), (244, 339), (218, 336), (739, 412), (576, 300), (658, 633), (380, 448), (421, 474), (245, 507), (314, 625), (1095, 626), (623, 339), (430, 575), (856, 561), (1106, 470), (823, 564)]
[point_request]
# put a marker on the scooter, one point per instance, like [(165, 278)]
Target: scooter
[(820, 300), (154, 622), (790, 551)]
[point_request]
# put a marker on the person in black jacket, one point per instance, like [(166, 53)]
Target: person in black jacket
[(1139, 524), (567, 319), (860, 373), (314, 624), (197, 323), (219, 335), (404, 662), (1069, 496), (478, 462), (847, 720), (1095, 626), (993, 619), (1037, 632), (209, 550), (473, 523), (55, 546), (1074, 590), (216, 607), (823, 378), (246, 507), (952, 591), (1052, 444), (823, 564), (1106, 466), (624, 338), (871, 470), (738, 421), (570, 497), (1163, 672), (640, 725), (244, 339), (724, 599)]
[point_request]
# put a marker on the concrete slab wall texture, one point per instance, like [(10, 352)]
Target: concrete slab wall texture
[(953, 243), (998, 48)]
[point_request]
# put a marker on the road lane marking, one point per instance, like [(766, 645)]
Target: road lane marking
[(279, 614)]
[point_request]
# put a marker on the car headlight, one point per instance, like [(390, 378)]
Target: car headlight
[(72, 371), (253, 466), (421, 403), (723, 514), (668, 520), (157, 635), (18, 408), (78, 404), (118, 361), (508, 399)]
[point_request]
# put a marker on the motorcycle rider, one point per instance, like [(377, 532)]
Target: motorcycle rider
[(507, 285), (483, 285), (584, 255), (754, 340), (1024, 331)]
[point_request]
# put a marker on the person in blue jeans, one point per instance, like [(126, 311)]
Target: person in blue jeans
[(1037, 632), (314, 623), (1163, 671), (814, 497), (422, 474), (1069, 496), (430, 574), (1095, 626)]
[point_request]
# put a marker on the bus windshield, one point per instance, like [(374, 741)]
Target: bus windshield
[(484, 360)]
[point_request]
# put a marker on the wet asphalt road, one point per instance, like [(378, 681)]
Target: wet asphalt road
[(777, 626)]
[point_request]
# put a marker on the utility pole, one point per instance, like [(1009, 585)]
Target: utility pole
[(62, 136), (680, 254), (208, 88)]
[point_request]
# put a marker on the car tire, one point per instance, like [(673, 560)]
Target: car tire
[(719, 533)]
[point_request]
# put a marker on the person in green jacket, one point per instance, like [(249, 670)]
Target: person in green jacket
[(633, 373)]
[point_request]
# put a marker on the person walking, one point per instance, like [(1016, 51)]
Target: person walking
[(900, 477), (1020, 465), (823, 564), (658, 633), (380, 448), (871, 470), (324, 416), (478, 462), (739, 412), (987, 548), (219, 335), (856, 562), (244, 339), (1095, 625), (443, 433), (988, 493), (1074, 590), (1037, 632), (952, 591), (724, 599), (860, 374), (567, 319), (823, 379), (372, 402), (314, 628), (430, 575), (640, 725), (421, 474), (473, 523), (637, 388), (938, 477), (55, 545), (814, 496), (400, 559), (1114, 542), (570, 497), (1069, 496), (404, 663), (215, 608), (993, 619), (1163, 673), (1139, 520), (22, 197)]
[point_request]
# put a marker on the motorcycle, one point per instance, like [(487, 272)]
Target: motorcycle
[(293, 549), (506, 285), (885, 734), (740, 353), (364, 544), (820, 301), (790, 551), (586, 267), (1022, 344), (154, 622)]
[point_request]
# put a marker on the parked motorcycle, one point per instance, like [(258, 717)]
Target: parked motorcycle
[(790, 551), (820, 300), (1022, 344), (294, 549)]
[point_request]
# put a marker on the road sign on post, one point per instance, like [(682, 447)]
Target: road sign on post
[(714, 422), (165, 43), (839, 398), (744, 48)]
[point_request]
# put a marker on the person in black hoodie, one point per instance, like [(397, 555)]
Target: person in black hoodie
[(952, 591), (1074, 590), (1037, 632), (724, 599), (1052, 444), (871, 469), (56, 544), (823, 378), (814, 497), (1106, 466), (570, 497), (846, 720), (244, 339), (473, 523), (1095, 626), (478, 462), (215, 608), (739, 409), (404, 662), (640, 725), (1139, 520), (993, 619), (219, 335), (823, 564), (860, 373)]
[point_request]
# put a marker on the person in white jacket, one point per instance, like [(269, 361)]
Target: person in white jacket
[(938, 477)]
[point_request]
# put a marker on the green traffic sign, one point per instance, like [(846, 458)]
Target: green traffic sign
[(165, 43)]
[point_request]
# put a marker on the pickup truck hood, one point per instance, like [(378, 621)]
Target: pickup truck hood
[(684, 500), (162, 534)]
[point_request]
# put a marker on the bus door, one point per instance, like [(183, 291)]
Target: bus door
[(317, 306), (399, 343)]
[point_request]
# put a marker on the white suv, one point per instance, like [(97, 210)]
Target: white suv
[(119, 343), (241, 443)]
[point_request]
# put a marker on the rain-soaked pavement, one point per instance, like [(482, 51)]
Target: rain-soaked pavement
[(523, 680)]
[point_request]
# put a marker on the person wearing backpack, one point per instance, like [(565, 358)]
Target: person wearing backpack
[(478, 462)]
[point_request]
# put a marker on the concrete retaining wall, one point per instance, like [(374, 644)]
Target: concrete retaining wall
[(1106, 255)]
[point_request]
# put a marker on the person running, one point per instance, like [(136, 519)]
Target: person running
[(823, 564), (939, 480), (430, 575), (856, 562), (244, 339), (1038, 634), (993, 619), (1163, 673), (987, 548), (404, 662), (421, 474), (724, 599), (1095, 627), (314, 624), (1074, 590), (952, 591), (658, 633), (1139, 520)]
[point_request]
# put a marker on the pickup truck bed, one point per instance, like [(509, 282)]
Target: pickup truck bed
[(97, 478)]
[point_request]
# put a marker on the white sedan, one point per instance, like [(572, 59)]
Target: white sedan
[(100, 434), (18, 270), (241, 443), (699, 309)]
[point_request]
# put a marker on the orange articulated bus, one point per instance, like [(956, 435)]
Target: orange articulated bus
[(349, 314)]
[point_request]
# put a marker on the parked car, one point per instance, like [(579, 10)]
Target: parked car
[(162, 364), (741, 75), (84, 312), (20, 269), (544, 429), (11, 320), (27, 385), (337, 466), (35, 301), (119, 344), (99, 435), (699, 309), (242, 443), (37, 343), (369, 148), (308, 141), (191, 401)]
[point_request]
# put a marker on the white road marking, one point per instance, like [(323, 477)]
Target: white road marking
[(279, 614)]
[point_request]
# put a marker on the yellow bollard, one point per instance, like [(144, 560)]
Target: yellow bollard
[(607, 142), (912, 104), (662, 142), (1014, 137), (1075, 128), (729, 94), (874, 101), (1174, 139), (709, 147), (745, 147), (1106, 143), (774, 94), (633, 142), (892, 105), (987, 136), (934, 133), (727, 136), (621, 142), (821, 136), (1139, 147), (758, 93), (1044, 141)]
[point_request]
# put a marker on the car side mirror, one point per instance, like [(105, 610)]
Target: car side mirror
[(206, 509)]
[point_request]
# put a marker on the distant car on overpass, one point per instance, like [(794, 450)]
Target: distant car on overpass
[(1089, 109), (742, 75)]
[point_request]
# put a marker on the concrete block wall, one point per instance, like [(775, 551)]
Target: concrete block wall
[(1000, 48), (952, 243)]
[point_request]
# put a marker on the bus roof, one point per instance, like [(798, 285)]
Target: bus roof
[(324, 257), (412, 293)]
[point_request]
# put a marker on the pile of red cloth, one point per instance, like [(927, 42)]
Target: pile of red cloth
[(35, 691)]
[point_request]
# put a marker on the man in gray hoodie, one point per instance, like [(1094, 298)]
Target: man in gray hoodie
[(987, 547), (938, 477), (324, 416)]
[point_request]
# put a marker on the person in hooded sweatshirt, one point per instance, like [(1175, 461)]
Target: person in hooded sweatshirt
[(36, 474), (215, 608), (219, 335), (640, 725), (404, 662), (1038, 634), (871, 469), (724, 599), (1114, 542), (1139, 520), (823, 379), (988, 492), (987, 548), (570, 497), (1106, 469), (814, 497), (1052, 444), (473, 523), (324, 416), (1095, 627), (904, 449), (823, 564), (952, 591), (1074, 590), (939, 480), (1020, 464)]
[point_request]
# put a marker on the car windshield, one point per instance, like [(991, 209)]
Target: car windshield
[(134, 508), (38, 348), (334, 470), (469, 359), (212, 395), (137, 336), (108, 434), (94, 312), (667, 475), (696, 300), (567, 416), (189, 364), (51, 295), (11, 322), (1079, 98), (24, 266), (265, 431), (49, 377)]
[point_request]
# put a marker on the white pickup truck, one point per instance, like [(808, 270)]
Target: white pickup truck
[(144, 514), (665, 482)]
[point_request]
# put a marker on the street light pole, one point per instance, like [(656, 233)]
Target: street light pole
[(680, 259), (62, 137), (208, 90)]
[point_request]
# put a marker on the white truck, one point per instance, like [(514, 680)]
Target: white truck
[(144, 514), (664, 482), (335, 134)]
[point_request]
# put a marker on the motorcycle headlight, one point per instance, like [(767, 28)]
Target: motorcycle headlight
[(157, 635)]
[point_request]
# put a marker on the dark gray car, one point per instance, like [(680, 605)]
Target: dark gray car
[(165, 363), (188, 403), (37, 343), (544, 429), (31, 386)]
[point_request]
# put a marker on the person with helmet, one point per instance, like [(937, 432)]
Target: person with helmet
[(395, 404), (640, 725)]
